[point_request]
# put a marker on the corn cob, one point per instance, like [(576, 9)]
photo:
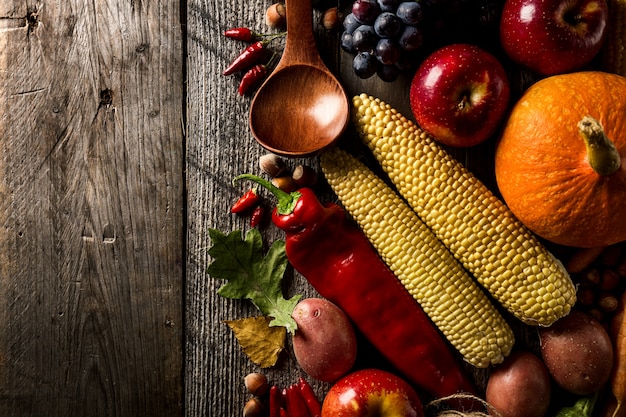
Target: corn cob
[(447, 293), (477, 227), (614, 48)]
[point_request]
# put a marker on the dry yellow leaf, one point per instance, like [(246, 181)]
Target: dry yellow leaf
[(258, 340)]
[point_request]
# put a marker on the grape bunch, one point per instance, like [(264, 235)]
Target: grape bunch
[(386, 37), (383, 35)]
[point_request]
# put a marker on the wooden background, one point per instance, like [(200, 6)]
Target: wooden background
[(119, 138), (92, 208)]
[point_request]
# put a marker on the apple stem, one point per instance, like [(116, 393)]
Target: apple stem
[(464, 102), (601, 151)]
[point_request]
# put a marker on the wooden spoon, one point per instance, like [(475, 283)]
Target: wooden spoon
[(301, 108)]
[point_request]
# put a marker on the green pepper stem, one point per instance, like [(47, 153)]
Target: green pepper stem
[(286, 201), (601, 152)]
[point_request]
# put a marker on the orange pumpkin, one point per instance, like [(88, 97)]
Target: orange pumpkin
[(562, 174)]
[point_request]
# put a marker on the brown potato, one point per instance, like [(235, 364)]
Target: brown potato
[(519, 387), (325, 343), (578, 353)]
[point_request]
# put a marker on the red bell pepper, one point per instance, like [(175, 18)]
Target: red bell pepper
[(337, 259)]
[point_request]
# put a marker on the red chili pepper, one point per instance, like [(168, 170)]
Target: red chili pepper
[(276, 401), (311, 400), (246, 202), (249, 56), (251, 77), (283, 413), (337, 259), (241, 34), (257, 216), (296, 407)]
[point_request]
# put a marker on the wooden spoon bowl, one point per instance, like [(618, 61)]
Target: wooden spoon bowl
[(301, 108)]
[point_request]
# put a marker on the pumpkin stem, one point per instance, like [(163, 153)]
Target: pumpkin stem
[(601, 152)]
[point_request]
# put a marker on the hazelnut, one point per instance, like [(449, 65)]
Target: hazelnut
[(287, 184), (272, 164), (304, 176), (331, 19), (275, 16), (253, 408), (256, 384)]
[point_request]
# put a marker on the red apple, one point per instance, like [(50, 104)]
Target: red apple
[(372, 393), (460, 94), (553, 36)]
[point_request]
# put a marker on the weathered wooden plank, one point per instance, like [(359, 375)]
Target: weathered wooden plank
[(91, 208)]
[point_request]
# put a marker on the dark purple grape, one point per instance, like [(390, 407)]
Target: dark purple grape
[(364, 38), (346, 42), (410, 12), (364, 65), (388, 5), (387, 51), (411, 39), (388, 73), (350, 23), (387, 25), (365, 11)]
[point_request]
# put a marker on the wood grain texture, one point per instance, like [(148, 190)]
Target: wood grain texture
[(91, 208)]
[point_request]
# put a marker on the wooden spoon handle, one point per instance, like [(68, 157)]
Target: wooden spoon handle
[(300, 44)]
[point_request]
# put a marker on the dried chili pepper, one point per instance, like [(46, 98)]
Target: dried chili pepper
[(246, 202), (337, 259), (256, 218), (241, 34), (247, 34), (311, 400), (251, 77), (254, 75), (276, 401), (251, 55), (295, 403)]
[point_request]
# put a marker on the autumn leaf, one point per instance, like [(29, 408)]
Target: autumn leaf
[(253, 275), (260, 342)]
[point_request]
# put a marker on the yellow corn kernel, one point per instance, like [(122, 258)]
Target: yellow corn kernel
[(448, 295), (614, 48), (501, 253)]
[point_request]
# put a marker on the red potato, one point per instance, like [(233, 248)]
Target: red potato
[(578, 353), (325, 343), (519, 387)]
